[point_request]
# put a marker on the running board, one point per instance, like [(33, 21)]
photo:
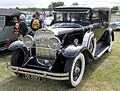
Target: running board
[(3, 48), (101, 52)]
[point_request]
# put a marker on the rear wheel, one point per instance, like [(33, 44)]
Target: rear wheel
[(76, 68), (17, 58)]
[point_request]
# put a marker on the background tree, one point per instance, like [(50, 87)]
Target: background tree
[(17, 8), (55, 4), (114, 9), (75, 4)]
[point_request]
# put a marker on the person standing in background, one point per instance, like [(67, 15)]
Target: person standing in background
[(36, 22), (21, 28)]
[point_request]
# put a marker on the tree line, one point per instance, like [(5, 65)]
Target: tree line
[(56, 4)]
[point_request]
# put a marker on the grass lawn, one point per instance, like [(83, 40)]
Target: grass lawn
[(115, 16), (100, 75)]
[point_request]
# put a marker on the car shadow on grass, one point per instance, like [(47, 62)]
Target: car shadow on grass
[(5, 53), (16, 83), (91, 67)]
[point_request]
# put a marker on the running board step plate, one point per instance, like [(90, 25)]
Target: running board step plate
[(100, 51)]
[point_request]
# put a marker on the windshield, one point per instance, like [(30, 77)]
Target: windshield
[(72, 17)]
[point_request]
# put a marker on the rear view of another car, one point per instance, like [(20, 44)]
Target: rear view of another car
[(115, 25)]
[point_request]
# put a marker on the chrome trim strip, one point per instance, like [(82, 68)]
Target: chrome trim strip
[(43, 74), (70, 12)]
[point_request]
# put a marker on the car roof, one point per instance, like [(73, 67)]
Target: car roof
[(77, 8), (10, 12)]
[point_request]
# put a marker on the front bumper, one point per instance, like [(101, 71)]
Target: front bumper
[(43, 74)]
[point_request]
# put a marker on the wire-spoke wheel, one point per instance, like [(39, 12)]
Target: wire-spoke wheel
[(76, 68)]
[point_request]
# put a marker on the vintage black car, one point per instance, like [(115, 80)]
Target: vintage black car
[(60, 52), (8, 18)]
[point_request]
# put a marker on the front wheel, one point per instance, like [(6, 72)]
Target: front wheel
[(17, 58), (76, 68)]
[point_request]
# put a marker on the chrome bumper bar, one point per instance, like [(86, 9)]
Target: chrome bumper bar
[(43, 74)]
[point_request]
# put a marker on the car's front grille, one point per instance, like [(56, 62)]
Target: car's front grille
[(45, 53), (42, 42), (42, 38)]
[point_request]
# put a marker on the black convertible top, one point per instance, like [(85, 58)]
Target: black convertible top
[(10, 12)]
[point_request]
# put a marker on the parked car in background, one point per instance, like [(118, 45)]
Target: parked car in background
[(115, 25), (8, 18), (28, 19), (61, 51)]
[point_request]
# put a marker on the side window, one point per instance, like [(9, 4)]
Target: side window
[(95, 17), (105, 18), (10, 21), (14, 19), (2, 21), (59, 17)]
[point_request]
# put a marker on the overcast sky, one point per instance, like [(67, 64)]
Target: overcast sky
[(45, 3)]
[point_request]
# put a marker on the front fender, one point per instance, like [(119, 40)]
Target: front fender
[(17, 44), (72, 51)]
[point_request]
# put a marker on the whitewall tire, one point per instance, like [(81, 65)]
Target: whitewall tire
[(76, 68)]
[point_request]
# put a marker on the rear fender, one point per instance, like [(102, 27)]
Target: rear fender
[(106, 36), (110, 32)]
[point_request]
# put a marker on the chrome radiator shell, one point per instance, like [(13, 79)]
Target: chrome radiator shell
[(42, 45)]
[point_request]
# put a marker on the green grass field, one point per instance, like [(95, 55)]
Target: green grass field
[(100, 75), (115, 16)]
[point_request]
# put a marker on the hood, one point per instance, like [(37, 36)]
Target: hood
[(63, 28)]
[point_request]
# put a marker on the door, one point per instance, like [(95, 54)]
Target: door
[(97, 23)]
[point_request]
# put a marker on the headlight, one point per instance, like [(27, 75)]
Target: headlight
[(28, 40), (54, 43)]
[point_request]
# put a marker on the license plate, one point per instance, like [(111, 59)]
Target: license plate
[(31, 77)]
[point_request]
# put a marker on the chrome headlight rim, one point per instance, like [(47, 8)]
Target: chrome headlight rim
[(58, 42), (30, 43)]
